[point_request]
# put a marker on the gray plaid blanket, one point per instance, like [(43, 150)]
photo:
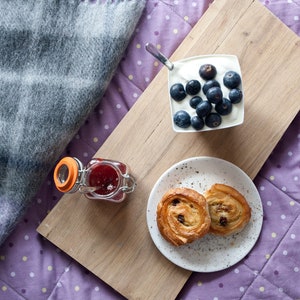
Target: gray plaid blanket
[(56, 60)]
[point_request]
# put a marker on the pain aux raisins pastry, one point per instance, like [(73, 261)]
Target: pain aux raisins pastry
[(182, 216), (228, 209)]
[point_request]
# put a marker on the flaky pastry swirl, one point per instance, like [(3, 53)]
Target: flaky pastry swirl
[(182, 216), (228, 209)]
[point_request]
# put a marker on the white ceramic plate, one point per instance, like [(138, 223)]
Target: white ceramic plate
[(210, 253)]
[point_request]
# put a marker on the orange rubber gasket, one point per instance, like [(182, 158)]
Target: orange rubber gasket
[(70, 181)]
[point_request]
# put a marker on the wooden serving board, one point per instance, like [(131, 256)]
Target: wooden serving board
[(112, 240)]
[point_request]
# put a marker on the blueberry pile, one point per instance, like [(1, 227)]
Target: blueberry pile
[(210, 104)]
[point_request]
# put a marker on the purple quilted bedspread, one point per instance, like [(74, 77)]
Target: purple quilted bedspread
[(32, 268)]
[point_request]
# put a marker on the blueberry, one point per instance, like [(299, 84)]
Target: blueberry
[(207, 71), (232, 79), (193, 87), (213, 120), (203, 109), (224, 107), (195, 101), (177, 92), (182, 119), (209, 84), (197, 123), (235, 95), (214, 95)]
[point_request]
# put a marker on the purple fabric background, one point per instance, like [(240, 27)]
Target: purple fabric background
[(32, 268)]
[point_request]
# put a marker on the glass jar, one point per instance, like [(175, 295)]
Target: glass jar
[(100, 179)]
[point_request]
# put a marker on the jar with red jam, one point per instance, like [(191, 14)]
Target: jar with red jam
[(100, 179)]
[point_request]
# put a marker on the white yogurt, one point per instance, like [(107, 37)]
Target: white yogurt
[(188, 69)]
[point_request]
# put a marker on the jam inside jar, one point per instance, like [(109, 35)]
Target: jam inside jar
[(107, 179)]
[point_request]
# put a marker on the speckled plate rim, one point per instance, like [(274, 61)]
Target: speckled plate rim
[(210, 253)]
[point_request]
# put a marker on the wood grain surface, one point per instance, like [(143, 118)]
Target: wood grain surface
[(112, 240)]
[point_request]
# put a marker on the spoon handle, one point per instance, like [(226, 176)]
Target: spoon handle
[(157, 54)]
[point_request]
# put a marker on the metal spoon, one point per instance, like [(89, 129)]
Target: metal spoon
[(157, 54)]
